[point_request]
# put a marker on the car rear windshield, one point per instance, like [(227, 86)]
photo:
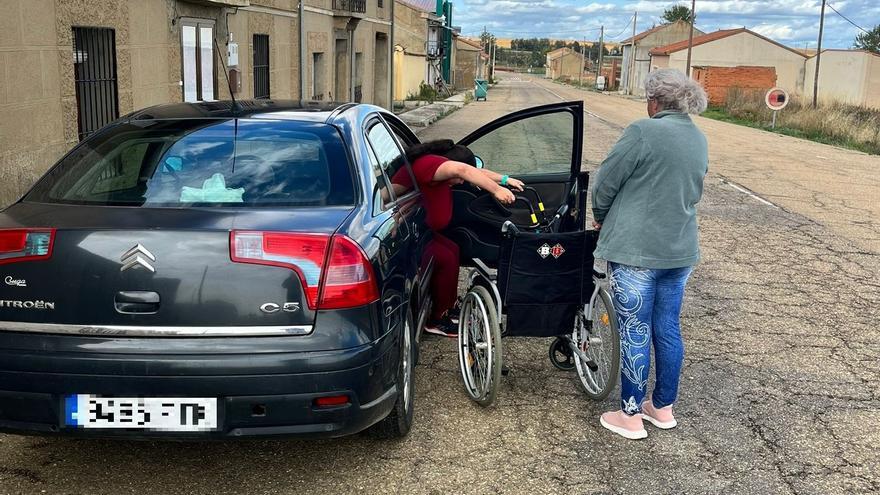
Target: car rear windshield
[(204, 162)]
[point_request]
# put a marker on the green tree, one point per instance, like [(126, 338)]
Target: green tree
[(677, 12), (486, 40), (869, 41)]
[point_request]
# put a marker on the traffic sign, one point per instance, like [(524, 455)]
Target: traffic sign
[(776, 99)]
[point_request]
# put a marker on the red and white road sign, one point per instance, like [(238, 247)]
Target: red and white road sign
[(776, 99)]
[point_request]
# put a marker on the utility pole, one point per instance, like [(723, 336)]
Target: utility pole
[(583, 63), (818, 56), (494, 51), (632, 58), (601, 46), (691, 38)]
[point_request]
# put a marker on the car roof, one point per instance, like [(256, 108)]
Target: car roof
[(311, 111)]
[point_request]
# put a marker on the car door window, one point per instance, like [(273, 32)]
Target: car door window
[(390, 157), (383, 196), (389, 154), (541, 144)]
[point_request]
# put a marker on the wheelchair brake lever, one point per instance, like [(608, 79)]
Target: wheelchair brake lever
[(509, 228)]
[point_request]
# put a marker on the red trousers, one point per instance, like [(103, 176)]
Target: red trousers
[(444, 284)]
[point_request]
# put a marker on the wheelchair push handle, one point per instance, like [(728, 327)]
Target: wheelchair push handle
[(532, 215), (537, 200)]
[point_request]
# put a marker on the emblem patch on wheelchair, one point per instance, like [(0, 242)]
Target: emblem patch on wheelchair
[(555, 251)]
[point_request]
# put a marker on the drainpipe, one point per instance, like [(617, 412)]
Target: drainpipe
[(390, 58), (302, 52), (351, 65)]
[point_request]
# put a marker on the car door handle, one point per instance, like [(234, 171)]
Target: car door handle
[(136, 302)]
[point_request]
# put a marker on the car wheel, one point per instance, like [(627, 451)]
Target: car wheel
[(398, 423)]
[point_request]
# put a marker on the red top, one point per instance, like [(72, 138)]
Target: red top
[(437, 195)]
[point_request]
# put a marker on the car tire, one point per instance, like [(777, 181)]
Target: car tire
[(398, 423)]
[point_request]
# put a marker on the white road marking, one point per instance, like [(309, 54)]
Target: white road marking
[(747, 192), (591, 114)]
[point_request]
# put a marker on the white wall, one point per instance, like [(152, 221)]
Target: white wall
[(848, 76), (747, 49)]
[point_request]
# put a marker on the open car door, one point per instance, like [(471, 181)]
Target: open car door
[(542, 147)]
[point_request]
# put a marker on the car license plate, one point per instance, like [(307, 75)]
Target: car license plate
[(142, 413)]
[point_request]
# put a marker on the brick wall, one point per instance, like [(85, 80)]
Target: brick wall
[(717, 81)]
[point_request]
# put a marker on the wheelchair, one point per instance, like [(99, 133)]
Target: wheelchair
[(546, 286)]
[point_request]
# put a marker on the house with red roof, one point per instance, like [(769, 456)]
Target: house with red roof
[(641, 45), (735, 48)]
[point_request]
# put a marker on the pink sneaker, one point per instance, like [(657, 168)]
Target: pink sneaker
[(661, 418), (630, 427)]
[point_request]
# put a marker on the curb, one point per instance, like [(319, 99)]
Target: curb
[(426, 115)]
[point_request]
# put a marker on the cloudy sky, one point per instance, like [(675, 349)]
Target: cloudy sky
[(793, 22)]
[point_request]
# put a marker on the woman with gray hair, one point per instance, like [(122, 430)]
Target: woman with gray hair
[(644, 201)]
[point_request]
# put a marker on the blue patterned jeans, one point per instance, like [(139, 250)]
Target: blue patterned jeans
[(648, 304)]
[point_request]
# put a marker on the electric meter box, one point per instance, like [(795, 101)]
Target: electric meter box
[(232, 54)]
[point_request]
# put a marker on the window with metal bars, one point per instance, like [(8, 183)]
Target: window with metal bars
[(261, 66), (94, 69)]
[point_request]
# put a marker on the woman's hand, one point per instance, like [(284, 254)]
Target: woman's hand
[(597, 225), (504, 196), (515, 184)]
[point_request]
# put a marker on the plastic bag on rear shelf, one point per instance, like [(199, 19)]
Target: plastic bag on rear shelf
[(213, 191)]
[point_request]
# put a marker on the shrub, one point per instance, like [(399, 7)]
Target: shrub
[(426, 93), (831, 122)]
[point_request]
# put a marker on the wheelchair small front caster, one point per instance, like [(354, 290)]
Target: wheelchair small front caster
[(561, 356)]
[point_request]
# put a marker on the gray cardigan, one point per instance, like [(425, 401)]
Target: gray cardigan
[(645, 193)]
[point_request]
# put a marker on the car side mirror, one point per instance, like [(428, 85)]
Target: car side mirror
[(479, 162)]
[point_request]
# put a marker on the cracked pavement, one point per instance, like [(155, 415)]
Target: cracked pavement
[(780, 388)]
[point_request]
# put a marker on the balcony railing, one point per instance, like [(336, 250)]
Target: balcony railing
[(356, 6)]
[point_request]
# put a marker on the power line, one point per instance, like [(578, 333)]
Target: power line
[(624, 29), (847, 18), (539, 32)]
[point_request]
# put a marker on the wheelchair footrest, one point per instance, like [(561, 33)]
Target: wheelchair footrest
[(580, 354)]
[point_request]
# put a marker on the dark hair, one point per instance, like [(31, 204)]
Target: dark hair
[(442, 147)]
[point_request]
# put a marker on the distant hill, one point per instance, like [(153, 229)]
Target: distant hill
[(505, 42)]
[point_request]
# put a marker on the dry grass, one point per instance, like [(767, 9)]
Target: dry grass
[(833, 123)]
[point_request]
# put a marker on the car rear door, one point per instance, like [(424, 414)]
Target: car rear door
[(541, 146)]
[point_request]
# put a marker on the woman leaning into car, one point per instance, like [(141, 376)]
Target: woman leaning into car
[(644, 201), (437, 166)]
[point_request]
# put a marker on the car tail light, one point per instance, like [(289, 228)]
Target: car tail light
[(347, 280), (25, 244)]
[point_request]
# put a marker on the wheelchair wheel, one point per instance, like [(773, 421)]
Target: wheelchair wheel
[(599, 339), (479, 346)]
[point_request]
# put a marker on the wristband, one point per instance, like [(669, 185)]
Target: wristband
[(504, 179)]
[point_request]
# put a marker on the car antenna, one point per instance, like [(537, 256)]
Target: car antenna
[(236, 108)]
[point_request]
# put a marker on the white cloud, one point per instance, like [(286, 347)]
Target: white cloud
[(788, 21)]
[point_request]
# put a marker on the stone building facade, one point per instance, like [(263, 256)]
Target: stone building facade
[(73, 66), (565, 63), (416, 46), (471, 63)]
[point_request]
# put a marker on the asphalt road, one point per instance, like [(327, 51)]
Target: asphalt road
[(780, 390)]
